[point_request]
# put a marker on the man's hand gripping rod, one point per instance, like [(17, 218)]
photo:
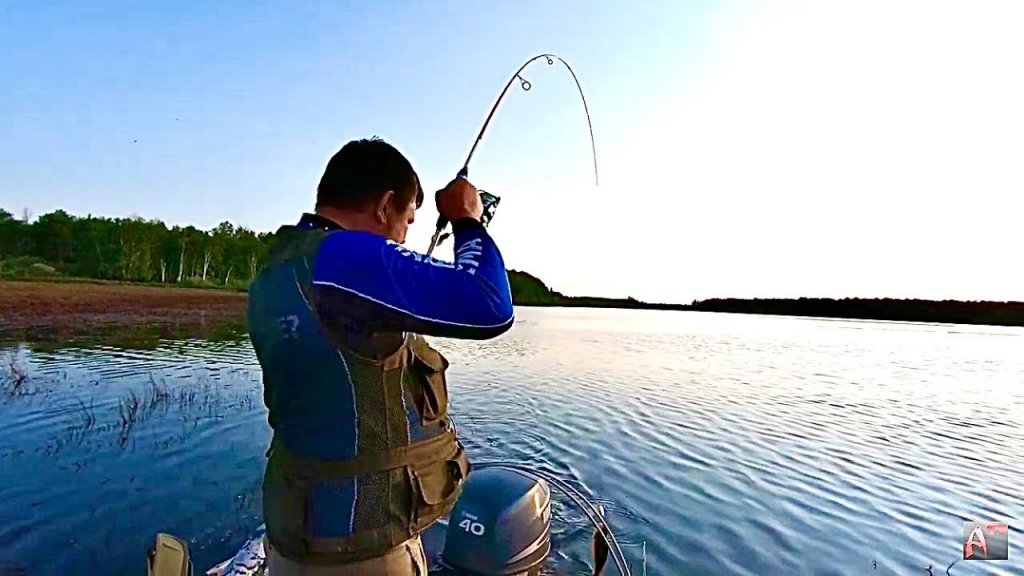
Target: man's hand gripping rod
[(490, 204)]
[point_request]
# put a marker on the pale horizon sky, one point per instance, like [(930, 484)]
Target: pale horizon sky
[(745, 149)]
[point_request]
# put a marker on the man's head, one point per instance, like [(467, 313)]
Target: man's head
[(369, 185)]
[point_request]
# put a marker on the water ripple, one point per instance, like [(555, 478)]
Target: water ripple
[(723, 444)]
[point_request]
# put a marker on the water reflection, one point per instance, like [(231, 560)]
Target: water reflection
[(122, 336)]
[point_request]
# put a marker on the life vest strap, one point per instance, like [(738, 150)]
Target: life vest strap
[(441, 447)]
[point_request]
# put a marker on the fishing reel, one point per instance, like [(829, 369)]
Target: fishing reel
[(490, 202)]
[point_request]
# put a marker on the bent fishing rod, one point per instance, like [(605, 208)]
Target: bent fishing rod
[(490, 201)]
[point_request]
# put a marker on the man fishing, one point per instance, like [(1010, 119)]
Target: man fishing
[(364, 456)]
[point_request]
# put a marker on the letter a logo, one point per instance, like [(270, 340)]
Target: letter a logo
[(976, 539)]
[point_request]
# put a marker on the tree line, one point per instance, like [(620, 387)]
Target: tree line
[(139, 250), (135, 249), (892, 309), (130, 249)]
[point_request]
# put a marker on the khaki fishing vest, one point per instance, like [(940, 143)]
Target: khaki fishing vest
[(417, 482)]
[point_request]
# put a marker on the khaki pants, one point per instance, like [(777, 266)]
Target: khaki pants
[(406, 559)]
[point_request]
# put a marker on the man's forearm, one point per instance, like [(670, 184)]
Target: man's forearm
[(382, 286)]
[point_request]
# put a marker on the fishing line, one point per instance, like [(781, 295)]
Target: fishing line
[(491, 201)]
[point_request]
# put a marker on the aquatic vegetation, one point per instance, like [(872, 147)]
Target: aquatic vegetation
[(12, 376), (88, 413)]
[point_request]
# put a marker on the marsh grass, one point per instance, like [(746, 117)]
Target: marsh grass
[(97, 420), (190, 403), (14, 376)]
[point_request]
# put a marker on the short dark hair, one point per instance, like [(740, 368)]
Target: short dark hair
[(363, 170)]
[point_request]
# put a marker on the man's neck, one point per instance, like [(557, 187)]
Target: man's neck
[(348, 219)]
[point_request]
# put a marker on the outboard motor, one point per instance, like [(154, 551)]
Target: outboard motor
[(501, 525)]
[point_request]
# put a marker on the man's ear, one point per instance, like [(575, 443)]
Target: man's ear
[(382, 206)]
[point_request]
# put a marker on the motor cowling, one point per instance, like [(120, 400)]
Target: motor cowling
[(501, 525)]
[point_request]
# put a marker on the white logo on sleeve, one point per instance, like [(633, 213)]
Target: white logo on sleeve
[(466, 258)]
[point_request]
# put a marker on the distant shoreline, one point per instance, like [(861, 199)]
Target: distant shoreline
[(78, 271), (53, 310), (85, 303), (986, 313), (533, 292), (86, 270)]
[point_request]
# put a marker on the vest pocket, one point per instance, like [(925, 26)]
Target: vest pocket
[(435, 488), (431, 392)]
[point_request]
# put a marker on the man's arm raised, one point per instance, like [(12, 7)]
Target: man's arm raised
[(378, 284)]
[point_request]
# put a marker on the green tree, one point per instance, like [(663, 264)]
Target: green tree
[(135, 249), (12, 235), (52, 237)]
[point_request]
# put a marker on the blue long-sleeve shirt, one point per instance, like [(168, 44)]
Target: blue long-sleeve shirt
[(367, 280)]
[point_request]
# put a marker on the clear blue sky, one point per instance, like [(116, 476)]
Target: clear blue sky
[(203, 111), (718, 125)]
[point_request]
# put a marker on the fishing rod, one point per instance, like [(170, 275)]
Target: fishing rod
[(490, 201)]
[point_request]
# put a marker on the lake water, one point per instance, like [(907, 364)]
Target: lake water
[(721, 444)]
